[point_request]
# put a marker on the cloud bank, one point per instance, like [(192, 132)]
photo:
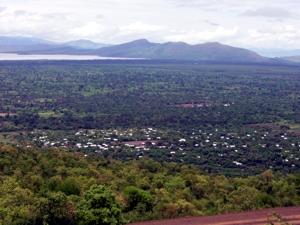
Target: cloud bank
[(248, 23)]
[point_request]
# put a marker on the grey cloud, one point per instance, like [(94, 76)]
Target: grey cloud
[(270, 12), (211, 23), (2, 9), (99, 16), (24, 13), (207, 5), (192, 3), (20, 13), (57, 16)]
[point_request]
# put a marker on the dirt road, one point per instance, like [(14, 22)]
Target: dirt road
[(290, 215)]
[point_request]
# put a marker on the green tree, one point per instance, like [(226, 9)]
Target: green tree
[(56, 210), (99, 207), (18, 206), (138, 199), (244, 198), (69, 186)]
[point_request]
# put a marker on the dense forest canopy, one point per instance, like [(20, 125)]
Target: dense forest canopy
[(58, 187), (96, 95)]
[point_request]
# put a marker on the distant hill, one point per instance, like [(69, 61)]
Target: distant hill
[(181, 51), (28, 45), (85, 44), (295, 59), (212, 51), (16, 44)]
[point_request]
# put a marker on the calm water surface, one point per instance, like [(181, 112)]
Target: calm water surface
[(11, 56)]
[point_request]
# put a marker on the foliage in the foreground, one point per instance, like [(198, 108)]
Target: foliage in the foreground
[(57, 187)]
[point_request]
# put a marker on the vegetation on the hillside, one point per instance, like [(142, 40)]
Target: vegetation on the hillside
[(57, 187)]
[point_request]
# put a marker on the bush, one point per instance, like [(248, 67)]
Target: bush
[(99, 207), (70, 187), (138, 199), (56, 210)]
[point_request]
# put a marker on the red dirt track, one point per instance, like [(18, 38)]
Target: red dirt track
[(290, 215)]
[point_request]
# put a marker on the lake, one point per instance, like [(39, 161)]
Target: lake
[(12, 56)]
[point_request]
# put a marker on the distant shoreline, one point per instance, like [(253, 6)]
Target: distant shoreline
[(22, 57)]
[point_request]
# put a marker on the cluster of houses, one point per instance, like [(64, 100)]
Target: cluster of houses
[(202, 104), (198, 145)]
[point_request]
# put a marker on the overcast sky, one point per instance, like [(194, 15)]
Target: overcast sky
[(245, 23)]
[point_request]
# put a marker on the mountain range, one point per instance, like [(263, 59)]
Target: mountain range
[(211, 51)]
